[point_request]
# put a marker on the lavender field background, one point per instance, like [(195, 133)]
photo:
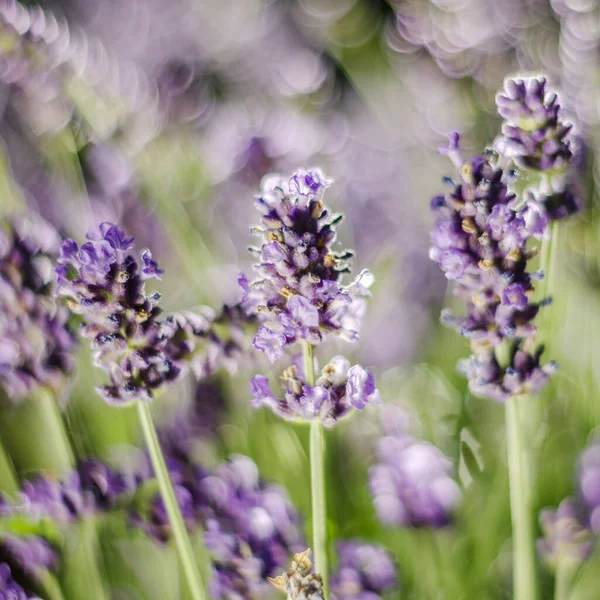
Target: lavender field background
[(168, 119)]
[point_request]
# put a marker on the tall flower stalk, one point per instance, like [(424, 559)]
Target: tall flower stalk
[(317, 478), (105, 284), (300, 299), (481, 241)]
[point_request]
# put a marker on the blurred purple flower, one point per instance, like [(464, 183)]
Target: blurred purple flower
[(365, 572), (9, 588), (412, 484), (35, 342)]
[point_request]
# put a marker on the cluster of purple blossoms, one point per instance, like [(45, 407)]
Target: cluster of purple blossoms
[(412, 484), (105, 284), (365, 572), (589, 484), (536, 139), (251, 528), (480, 240), (339, 390), (91, 487), (30, 555), (35, 342), (532, 133), (299, 294)]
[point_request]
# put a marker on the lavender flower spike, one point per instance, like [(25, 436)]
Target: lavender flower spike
[(104, 283), (480, 240), (533, 133), (298, 293)]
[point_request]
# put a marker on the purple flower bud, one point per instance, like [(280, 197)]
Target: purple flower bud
[(514, 296), (360, 388)]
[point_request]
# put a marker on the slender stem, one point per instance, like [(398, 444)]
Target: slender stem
[(565, 573), (50, 587), (524, 567), (8, 477), (317, 480), (180, 534)]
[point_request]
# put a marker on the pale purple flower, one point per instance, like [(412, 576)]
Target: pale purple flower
[(270, 342)]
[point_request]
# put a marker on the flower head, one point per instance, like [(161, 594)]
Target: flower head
[(338, 391), (533, 133), (36, 344), (523, 375), (481, 241), (105, 283), (299, 294)]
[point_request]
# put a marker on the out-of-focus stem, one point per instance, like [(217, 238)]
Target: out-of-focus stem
[(180, 534), (34, 435), (8, 477), (49, 587), (81, 573), (317, 480), (524, 563), (565, 573)]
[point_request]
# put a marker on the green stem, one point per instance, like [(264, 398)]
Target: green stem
[(8, 478), (49, 586), (565, 573), (524, 563), (180, 534), (34, 435), (317, 480), (81, 574)]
